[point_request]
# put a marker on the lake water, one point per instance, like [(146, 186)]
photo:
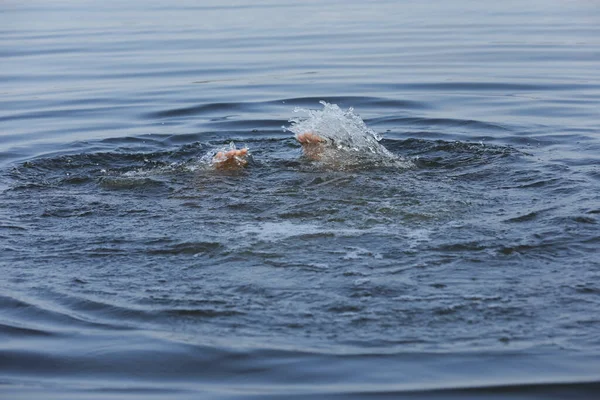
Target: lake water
[(132, 270)]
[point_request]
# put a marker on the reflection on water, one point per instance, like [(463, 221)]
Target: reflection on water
[(455, 257)]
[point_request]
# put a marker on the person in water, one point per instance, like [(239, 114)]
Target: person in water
[(313, 146), (333, 137), (232, 159)]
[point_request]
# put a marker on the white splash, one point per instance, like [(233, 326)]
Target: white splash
[(352, 141), (208, 159), (345, 129)]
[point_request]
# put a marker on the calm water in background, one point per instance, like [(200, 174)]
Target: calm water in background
[(130, 271)]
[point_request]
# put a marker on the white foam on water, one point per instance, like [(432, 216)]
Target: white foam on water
[(277, 231)]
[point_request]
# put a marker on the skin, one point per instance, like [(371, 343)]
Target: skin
[(232, 159), (312, 145)]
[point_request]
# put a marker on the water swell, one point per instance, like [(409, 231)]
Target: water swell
[(190, 370), (383, 259)]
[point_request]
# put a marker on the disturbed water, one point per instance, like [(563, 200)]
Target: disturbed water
[(467, 267)]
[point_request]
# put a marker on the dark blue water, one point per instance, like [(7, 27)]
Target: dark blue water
[(131, 269)]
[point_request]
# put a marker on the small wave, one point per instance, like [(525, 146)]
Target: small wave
[(363, 101), (204, 109), (488, 86), (122, 168), (14, 330), (129, 182), (439, 123)]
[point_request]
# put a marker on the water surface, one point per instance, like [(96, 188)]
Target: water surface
[(133, 270)]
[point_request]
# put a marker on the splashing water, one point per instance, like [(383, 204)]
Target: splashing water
[(346, 131), (209, 161)]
